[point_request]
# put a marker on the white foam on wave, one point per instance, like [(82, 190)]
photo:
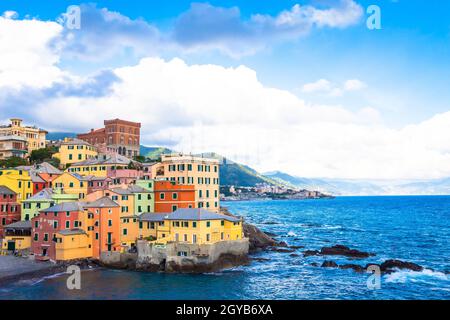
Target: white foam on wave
[(402, 276), (291, 234)]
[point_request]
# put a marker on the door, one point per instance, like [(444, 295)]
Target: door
[(11, 245), (44, 252)]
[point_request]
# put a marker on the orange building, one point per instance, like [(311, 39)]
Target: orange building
[(103, 225), (169, 196)]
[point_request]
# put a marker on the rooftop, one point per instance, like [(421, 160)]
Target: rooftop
[(103, 202), (45, 194), (6, 190), (71, 232), (199, 214), (65, 206), (104, 159), (19, 225), (153, 217)]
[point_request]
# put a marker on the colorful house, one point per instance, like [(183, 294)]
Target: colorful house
[(9, 208), (17, 236), (199, 226), (72, 183), (47, 225), (100, 165), (18, 181), (42, 175), (143, 199), (170, 196), (43, 200), (74, 150), (103, 225)]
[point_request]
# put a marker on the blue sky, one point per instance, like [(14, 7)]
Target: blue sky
[(372, 87), (406, 63)]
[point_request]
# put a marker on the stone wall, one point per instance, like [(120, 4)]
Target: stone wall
[(181, 257), (116, 259)]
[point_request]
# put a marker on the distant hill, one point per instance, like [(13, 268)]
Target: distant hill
[(154, 152), (60, 135)]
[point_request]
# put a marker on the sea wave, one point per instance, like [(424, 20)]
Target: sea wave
[(402, 276)]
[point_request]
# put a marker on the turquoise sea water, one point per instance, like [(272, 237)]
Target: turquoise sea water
[(415, 229)]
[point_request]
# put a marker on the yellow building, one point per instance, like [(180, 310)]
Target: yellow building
[(70, 183), (18, 181), (203, 173), (34, 136), (192, 226), (74, 150), (100, 165), (72, 244), (17, 236), (129, 231)]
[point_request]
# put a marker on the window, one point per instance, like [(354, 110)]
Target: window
[(68, 214), (174, 196), (55, 224), (109, 223), (185, 238), (194, 238), (194, 224), (186, 224), (67, 224), (221, 235), (36, 224), (36, 237), (208, 237), (208, 224), (96, 236), (125, 232), (45, 237), (174, 208), (162, 195)]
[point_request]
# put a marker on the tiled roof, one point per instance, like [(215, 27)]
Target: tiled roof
[(19, 225), (198, 214), (71, 232), (65, 206), (137, 189), (103, 202), (104, 159), (121, 191), (45, 194), (75, 141), (6, 190), (153, 217)]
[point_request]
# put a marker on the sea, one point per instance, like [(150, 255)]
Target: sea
[(408, 228)]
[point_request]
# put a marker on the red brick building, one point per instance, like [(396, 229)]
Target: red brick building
[(118, 136), (9, 208), (170, 196)]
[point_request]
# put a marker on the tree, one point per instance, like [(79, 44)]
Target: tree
[(41, 155), (13, 162)]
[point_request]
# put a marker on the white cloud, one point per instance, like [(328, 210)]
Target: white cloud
[(10, 14), (331, 89), (197, 108), (321, 85), (26, 56), (354, 85)]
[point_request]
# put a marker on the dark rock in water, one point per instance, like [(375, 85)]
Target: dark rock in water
[(389, 265), (270, 222), (282, 244), (340, 250), (296, 247), (329, 264), (314, 264), (260, 259), (258, 239), (270, 234), (354, 267), (283, 250), (293, 255), (309, 253)]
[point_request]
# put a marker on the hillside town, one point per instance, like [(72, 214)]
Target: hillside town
[(95, 198)]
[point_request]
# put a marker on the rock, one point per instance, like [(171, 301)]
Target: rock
[(260, 259), (283, 250), (389, 265), (293, 255), (329, 264), (296, 247), (354, 267), (314, 264), (340, 250), (258, 239), (282, 244), (309, 253)]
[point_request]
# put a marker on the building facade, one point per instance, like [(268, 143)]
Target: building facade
[(170, 196), (34, 136), (9, 208), (203, 173), (118, 136), (19, 181), (74, 150), (13, 146)]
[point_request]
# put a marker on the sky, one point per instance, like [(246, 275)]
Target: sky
[(304, 87)]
